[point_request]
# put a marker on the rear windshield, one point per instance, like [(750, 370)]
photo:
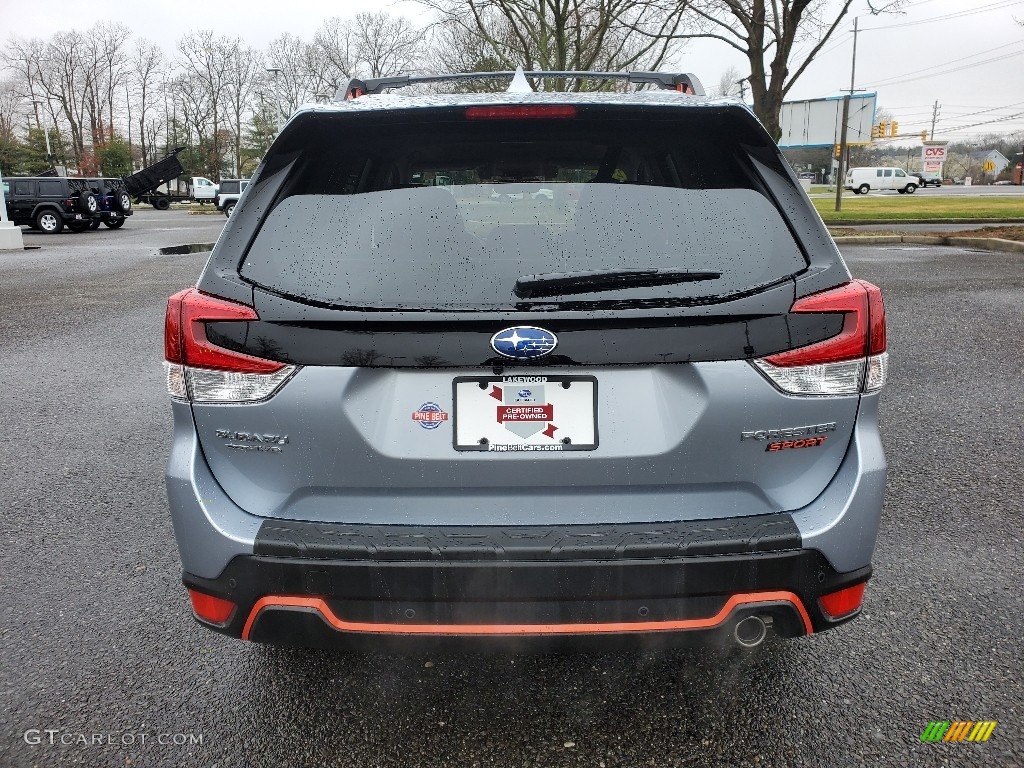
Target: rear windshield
[(229, 187), (449, 214)]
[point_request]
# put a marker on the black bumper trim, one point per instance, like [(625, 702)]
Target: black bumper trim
[(549, 544), (573, 592)]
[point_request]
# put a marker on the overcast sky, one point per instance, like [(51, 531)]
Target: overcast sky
[(967, 54)]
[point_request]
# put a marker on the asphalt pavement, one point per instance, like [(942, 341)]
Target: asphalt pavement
[(98, 645)]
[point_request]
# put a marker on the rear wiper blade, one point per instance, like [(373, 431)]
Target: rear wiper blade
[(563, 283)]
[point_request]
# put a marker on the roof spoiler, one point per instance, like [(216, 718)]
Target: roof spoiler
[(683, 82)]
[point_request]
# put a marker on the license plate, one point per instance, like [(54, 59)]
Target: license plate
[(525, 413)]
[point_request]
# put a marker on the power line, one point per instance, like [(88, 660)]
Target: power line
[(989, 122), (904, 79), (946, 17), (841, 40), (993, 109), (954, 61)]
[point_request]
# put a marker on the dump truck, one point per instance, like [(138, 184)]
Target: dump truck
[(161, 184)]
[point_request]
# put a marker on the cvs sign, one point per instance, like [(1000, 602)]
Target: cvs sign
[(933, 153)]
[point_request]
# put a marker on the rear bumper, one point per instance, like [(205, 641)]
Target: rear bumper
[(319, 584), (395, 586)]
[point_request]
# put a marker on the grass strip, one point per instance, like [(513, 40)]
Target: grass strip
[(900, 207)]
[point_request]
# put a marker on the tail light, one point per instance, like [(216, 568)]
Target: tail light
[(213, 610), (844, 602), (852, 361), (202, 372)]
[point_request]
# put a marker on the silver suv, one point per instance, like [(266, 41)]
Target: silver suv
[(417, 399)]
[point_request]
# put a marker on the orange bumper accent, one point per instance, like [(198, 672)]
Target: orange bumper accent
[(320, 606)]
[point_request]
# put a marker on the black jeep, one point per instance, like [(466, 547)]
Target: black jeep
[(48, 203)]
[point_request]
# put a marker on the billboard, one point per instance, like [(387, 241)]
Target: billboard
[(933, 155), (817, 122)]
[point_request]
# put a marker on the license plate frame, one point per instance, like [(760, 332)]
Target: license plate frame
[(533, 443)]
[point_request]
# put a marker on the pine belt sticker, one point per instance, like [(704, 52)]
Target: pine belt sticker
[(430, 416), (524, 411)]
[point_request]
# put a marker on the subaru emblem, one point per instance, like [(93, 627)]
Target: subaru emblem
[(524, 342)]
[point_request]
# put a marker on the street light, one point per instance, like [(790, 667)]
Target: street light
[(46, 132), (275, 71)]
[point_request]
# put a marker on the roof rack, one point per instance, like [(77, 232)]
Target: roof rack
[(682, 82)]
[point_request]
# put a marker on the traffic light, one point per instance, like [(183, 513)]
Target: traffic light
[(881, 129), (838, 150), (894, 129), (874, 132), (924, 135)]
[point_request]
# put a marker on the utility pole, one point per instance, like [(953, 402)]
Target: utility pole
[(743, 88), (935, 116), (841, 170)]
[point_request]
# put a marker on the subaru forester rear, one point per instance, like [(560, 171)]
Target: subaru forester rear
[(544, 366)]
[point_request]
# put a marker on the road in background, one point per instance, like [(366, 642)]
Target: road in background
[(97, 635), (897, 226), (947, 190)]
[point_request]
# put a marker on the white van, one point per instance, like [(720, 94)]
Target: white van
[(862, 180)]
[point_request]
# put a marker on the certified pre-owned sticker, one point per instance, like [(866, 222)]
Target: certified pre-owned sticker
[(525, 411), (430, 415)]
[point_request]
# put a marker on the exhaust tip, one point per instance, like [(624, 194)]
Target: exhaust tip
[(750, 632)]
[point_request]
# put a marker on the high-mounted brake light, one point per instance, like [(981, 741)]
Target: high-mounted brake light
[(854, 360), (521, 112), (201, 371)]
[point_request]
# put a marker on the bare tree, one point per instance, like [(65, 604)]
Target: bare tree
[(768, 33), (334, 48), (146, 65), (108, 48), (558, 34), (206, 60), (13, 109), (23, 58), (64, 73), (728, 84), (385, 44), (293, 74), (192, 103), (244, 70)]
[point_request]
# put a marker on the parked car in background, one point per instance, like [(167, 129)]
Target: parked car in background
[(115, 202), (863, 180), (409, 413), (228, 193), (50, 203)]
